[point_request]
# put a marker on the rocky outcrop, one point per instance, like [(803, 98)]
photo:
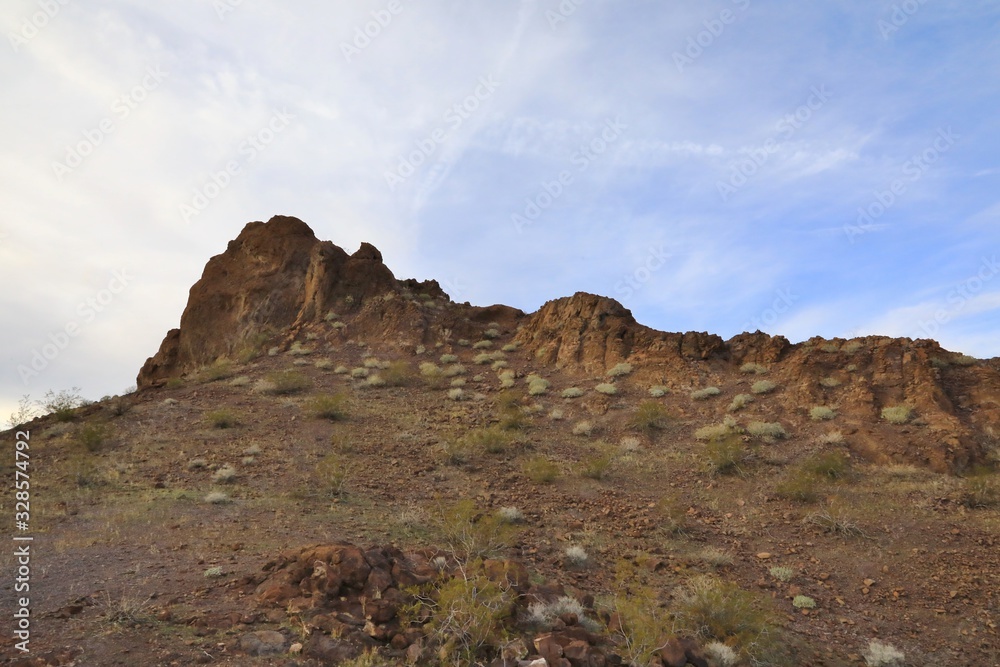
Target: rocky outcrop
[(273, 276)]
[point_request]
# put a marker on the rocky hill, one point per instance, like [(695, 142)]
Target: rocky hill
[(327, 465)]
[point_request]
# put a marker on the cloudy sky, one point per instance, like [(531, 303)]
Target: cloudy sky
[(721, 165)]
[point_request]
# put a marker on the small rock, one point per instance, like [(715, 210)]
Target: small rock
[(263, 642), (764, 555)]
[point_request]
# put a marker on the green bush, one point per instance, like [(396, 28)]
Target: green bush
[(710, 608), (822, 413), (649, 416), (751, 367), (897, 414), (328, 406), (221, 369), (799, 485), (541, 470), (726, 454), (619, 370), (739, 402), (572, 392), (831, 465), (469, 533), (288, 382), (707, 392), (222, 418), (397, 374), (493, 440), (767, 430), (63, 404), (93, 436), (763, 387), (606, 388), (658, 391)]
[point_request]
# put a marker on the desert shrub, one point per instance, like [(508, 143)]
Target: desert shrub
[(463, 342), (93, 436), (492, 332), (716, 431), (469, 533), (672, 514), (831, 438), (707, 392), (213, 572), (324, 364), (509, 347), (713, 556), (197, 464), (341, 370), (799, 485), (822, 413), (721, 654), (456, 394), (329, 476), (224, 475), (897, 414), (514, 419), (782, 573), (657, 391), (510, 514), (507, 379), (499, 365), (712, 609), (606, 388), (739, 402), (299, 350), (763, 387), (544, 614), (467, 615), (726, 455), (751, 367), (482, 359), (830, 382), (583, 428), (359, 373), (557, 414), (803, 602), (852, 346), (964, 360), (372, 363), (572, 392), (879, 654), (454, 370), (217, 498), (835, 521), (374, 381), (397, 374), (596, 465), (221, 369), (767, 430), (24, 413), (483, 345), (541, 470), (643, 623), (458, 382), (649, 416), (222, 418), (576, 556), (493, 440), (449, 358), (831, 465), (980, 490), (538, 386), (619, 370), (328, 406), (433, 375), (287, 382), (62, 404)]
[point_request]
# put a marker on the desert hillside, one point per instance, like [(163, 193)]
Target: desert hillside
[(325, 464)]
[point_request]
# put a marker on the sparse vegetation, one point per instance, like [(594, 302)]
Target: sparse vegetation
[(221, 369), (397, 374), (217, 498), (286, 382), (359, 373), (799, 485), (980, 490), (822, 413), (471, 534), (93, 436), (832, 465), (658, 391), (803, 602), (62, 404), (541, 470), (328, 406), (830, 382), (606, 388), (572, 392), (726, 455), (618, 370), (537, 385), (831, 438), (767, 430), (576, 556), (754, 368), (222, 418), (224, 475), (299, 350), (763, 387), (879, 654), (456, 394), (649, 416), (739, 402), (707, 392), (897, 414), (782, 573), (716, 431), (583, 428), (483, 345)]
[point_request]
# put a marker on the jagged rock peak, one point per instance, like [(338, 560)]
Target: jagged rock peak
[(273, 276)]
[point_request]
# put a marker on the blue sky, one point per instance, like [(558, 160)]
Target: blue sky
[(803, 168)]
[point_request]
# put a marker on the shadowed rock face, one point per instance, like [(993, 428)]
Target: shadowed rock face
[(273, 276)]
